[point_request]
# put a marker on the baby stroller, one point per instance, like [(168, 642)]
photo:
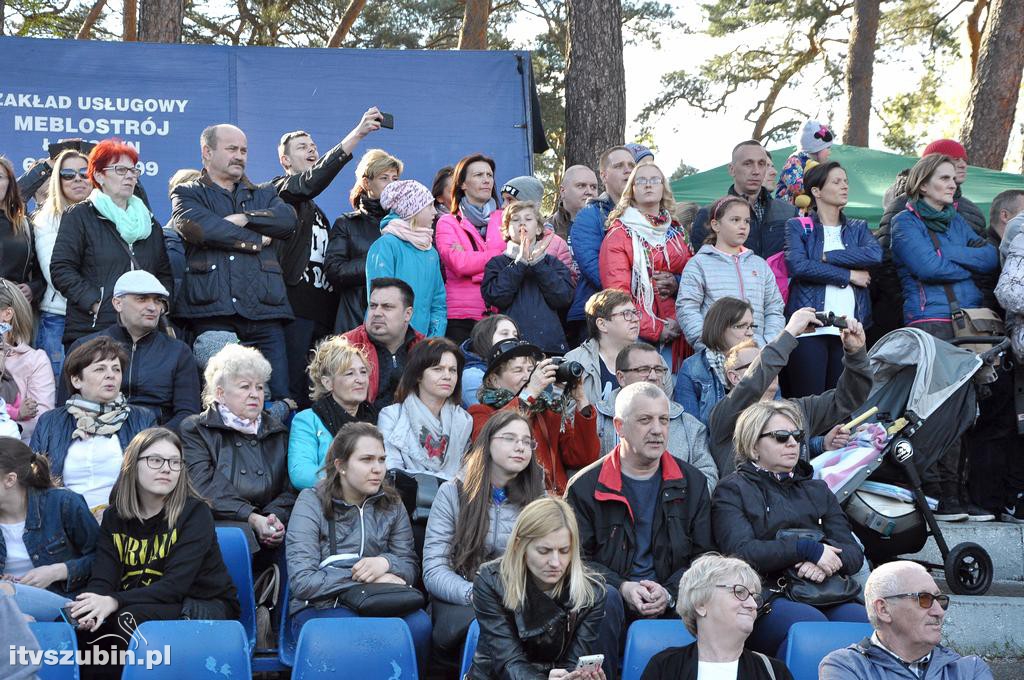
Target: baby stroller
[(925, 396)]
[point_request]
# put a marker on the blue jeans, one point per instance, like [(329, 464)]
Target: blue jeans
[(771, 632), (266, 336), (39, 603), (611, 636), (49, 339), (418, 622), (814, 366)]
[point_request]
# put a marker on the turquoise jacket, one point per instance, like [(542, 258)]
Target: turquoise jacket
[(390, 256), (307, 449)]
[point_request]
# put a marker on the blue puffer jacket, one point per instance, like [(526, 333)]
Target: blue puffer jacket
[(811, 269), (52, 435), (472, 373), (766, 236), (923, 271), (698, 389), (585, 237)]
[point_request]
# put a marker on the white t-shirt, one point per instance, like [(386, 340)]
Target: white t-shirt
[(839, 301), (713, 670), (91, 468), (18, 562)]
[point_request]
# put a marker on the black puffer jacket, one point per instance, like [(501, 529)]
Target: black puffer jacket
[(345, 261), (750, 506), (527, 643), (239, 473), (88, 258), (228, 271)]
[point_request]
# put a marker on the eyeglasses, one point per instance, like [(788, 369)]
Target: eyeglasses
[(512, 440), (741, 593), (744, 327), (157, 462), (124, 170), (626, 314), (659, 371), (647, 181), (69, 174), (924, 599), (782, 436)]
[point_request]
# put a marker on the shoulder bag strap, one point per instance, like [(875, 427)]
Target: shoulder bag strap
[(767, 665), (955, 313)]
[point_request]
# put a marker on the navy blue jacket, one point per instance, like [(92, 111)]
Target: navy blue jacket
[(531, 296), (585, 237), (52, 435), (698, 389), (923, 270), (766, 237), (811, 269), (228, 270), (162, 375), (59, 529)]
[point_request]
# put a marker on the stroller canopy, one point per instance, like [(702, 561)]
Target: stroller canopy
[(941, 368)]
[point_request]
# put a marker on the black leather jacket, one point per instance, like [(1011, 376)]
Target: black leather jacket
[(239, 473), (527, 643), (345, 260)]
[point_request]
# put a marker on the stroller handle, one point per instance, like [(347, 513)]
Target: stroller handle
[(999, 344)]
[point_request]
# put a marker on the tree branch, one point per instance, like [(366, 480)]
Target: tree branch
[(85, 32)]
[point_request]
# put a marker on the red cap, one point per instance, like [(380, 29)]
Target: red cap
[(947, 147)]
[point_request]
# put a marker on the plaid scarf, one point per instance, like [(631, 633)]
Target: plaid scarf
[(97, 420)]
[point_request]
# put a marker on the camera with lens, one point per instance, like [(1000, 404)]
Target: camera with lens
[(830, 319), (569, 373)]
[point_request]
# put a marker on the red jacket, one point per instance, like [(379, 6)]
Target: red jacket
[(360, 338), (576, 447)]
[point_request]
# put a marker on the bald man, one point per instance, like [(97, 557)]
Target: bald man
[(906, 609), (233, 279), (578, 187)]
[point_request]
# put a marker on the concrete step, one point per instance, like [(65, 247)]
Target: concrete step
[(1003, 541), (991, 626)]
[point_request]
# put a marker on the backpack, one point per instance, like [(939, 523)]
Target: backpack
[(777, 263)]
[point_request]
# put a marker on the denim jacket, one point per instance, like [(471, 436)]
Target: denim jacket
[(59, 529), (698, 389), (52, 436)]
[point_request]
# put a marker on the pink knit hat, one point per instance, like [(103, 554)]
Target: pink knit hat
[(405, 198), (947, 147)]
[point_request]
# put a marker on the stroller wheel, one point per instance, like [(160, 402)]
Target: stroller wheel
[(968, 569)]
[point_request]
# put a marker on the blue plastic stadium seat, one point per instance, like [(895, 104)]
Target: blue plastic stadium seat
[(234, 548), (58, 636), (810, 641), (357, 647), (197, 649), (647, 638), (285, 641), (469, 649)]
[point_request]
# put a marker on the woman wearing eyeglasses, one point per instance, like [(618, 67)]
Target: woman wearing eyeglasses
[(68, 185), (471, 521), (718, 601), (563, 423), (644, 252), (785, 524), (104, 236)]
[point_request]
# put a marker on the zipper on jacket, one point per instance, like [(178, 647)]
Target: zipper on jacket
[(362, 530), (739, 275), (131, 366), (96, 315)]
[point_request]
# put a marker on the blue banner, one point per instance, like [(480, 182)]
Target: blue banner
[(446, 104)]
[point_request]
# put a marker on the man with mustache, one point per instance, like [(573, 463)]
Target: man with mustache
[(643, 515), (906, 609), (313, 299), (233, 279)]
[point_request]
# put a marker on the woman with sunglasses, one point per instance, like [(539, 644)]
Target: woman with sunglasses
[(104, 236), (755, 511), (17, 252), (68, 185), (718, 603)]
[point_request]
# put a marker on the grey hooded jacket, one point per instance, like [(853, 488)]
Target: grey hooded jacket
[(866, 661)]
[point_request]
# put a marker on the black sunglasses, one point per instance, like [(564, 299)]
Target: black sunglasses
[(782, 436), (924, 599), (70, 174)]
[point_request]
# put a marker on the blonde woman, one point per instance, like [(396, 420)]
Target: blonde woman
[(538, 607), (237, 453), (353, 234), (644, 253), (340, 374), (30, 368)]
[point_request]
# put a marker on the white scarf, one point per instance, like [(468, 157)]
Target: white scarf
[(644, 235)]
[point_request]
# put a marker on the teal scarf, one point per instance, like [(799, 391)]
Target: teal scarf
[(936, 220), (133, 224)]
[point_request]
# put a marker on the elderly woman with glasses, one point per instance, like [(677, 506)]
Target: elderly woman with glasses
[(718, 602), (788, 526), (104, 236)]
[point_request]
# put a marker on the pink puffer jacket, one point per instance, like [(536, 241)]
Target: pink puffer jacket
[(463, 258)]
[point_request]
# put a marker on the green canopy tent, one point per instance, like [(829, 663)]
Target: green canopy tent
[(871, 173)]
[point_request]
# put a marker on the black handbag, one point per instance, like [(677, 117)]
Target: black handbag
[(836, 589), (376, 599)]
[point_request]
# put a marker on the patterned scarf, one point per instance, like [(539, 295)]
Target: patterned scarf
[(432, 433), (237, 423), (97, 420), (716, 360), (499, 397), (648, 234)]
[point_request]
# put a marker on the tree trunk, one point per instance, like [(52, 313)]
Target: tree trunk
[(160, 21), (85, 32), (131, 22), (474, 25), (595, 81), (975, 29), (349, 18), (860, 67), (995, 86)]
